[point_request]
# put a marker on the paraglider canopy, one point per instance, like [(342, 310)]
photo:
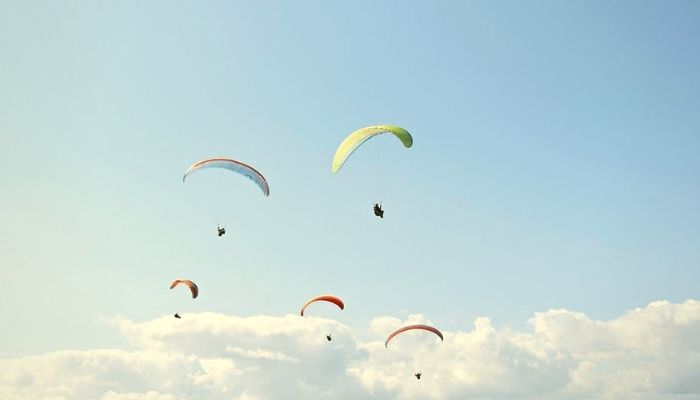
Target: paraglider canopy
[(413, 327), (329, 298), (355, 139), (193, 288), (234, 166)]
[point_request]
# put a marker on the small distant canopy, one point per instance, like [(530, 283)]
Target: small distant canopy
[(355, 139), (328, 298), (189, 284), (410, 328), (234, 166)]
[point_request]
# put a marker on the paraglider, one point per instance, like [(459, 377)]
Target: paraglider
[(328, 298), (409, 328), (177, 316), (189, 284), (413, 327), (331, 299), (378, 211), (355, 139), (234, 166)]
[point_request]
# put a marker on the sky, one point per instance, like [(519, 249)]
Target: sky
[(554, 171)]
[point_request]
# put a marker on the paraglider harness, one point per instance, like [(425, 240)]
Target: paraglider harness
[(221, 230), (328, 336), (418, 375), (378, 210)]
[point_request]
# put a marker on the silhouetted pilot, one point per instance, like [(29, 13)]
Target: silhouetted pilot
[(378, 210)]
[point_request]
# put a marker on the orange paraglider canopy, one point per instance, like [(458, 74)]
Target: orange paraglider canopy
[(326, 297), (190, 284), (412, 327)]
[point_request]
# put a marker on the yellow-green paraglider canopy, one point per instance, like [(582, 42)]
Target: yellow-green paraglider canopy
[(355, 139)]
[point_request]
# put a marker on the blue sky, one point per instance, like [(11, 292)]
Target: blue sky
[(555, 160)]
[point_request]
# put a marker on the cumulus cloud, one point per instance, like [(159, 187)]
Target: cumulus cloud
[(646, 353)]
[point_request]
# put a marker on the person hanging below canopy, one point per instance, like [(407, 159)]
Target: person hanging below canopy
[(378, 211), (222, 231)]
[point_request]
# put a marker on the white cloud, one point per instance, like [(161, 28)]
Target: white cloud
[(151, 395), (261, 354), (646, 353)]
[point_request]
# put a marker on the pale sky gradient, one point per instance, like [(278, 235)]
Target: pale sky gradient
[(555, 161)]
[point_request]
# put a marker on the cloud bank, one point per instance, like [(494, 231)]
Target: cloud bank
[(646, 353)]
